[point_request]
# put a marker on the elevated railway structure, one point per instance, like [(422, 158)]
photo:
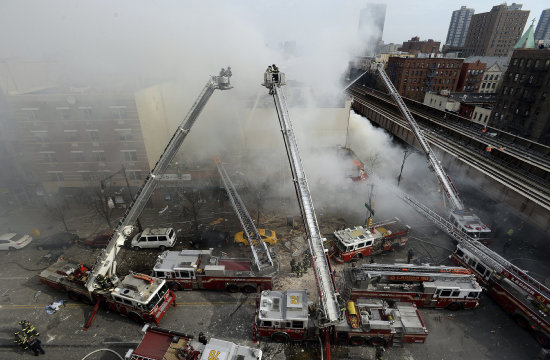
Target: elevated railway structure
[(519, 174)]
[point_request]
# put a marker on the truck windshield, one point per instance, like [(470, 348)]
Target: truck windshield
[(156, 299)]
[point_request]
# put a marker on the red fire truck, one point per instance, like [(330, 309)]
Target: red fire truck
[(163, 344), (285, 316), (520, 295), (140, 297), (426, 286), (199, 269), (360, 241)]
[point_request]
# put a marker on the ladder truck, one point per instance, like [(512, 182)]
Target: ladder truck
[(518, 293), (463, 218), (287, 315), (440, 287), (140, 297)]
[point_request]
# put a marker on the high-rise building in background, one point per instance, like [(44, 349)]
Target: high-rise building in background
[(542, 33), (459, 26), (494, 33), (371, 26)]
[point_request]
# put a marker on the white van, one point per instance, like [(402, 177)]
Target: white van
[(161, 238)]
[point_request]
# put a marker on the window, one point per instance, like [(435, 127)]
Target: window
[(31, 114), (493, 85), (94, 135), (99, 155), (516, 77), (515, 62), (64, 113), (41, 136), (521, 62), (184, 274), (159, 274), (57, 175), (445, 293), (511, 91), (297, 324), (455, 293), (480, 269), (86, 113), (496, 77), (266, 323), (130, 155), (124, 134), (49, 156), (537, 63), (78, 156), (119, 113), (86, 176), (71, 135)]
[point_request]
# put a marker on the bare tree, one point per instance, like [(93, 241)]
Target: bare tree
[(191, 202), (258, 195), (58, 210), (372, 161), (102, 204)]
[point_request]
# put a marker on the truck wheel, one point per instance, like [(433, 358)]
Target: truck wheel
[(279, 338), (454, 306), (394, 247), (11, 248), (175, 286), (241, 244), (232, 288), (377, 341), (135, 317), (249, 289), (136, 248), (521, 321), (542, 339), (358, 256), (356, 341), (162, 248)]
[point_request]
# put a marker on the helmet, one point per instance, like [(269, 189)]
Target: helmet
[(23, 322)]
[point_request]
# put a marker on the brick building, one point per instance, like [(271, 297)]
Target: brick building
[(415, 46), (471, 76), (523, 105), (494, 33), (415, 76)]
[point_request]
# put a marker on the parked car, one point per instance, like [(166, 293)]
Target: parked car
[(13, 241), (57, 241), (161, 238), (268, 236), (210, 239), (100, 239)]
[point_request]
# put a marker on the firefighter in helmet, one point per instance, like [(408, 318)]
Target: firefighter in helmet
[(28, 328)]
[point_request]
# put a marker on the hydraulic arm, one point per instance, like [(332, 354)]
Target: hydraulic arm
[(106, 262)]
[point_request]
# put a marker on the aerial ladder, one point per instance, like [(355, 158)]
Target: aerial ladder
[(105, 266), (261, 253), (330, 311), (443, 178)]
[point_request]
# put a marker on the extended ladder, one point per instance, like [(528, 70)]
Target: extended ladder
[(106, 264), (443, 178), (262, 257), (328, 295), (490, 258)]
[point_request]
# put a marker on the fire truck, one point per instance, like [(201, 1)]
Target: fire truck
[(293, 317), (360, 241), (287, 315), (199, 269), (440, 287), (141, 297), (521, 296), (163, 344)]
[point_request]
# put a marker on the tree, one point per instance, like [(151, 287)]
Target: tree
[(58, 209), (372, 161), (192, 203), (258, 195), (102, 204)]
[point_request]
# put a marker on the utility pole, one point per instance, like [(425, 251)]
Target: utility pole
[(406, 154)]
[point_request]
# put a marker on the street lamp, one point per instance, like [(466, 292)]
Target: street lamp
[(123, 171)]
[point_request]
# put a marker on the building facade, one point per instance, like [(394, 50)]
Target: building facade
[(523, 105), (415, 46), (494, 33), (371, 27), (414, 77), (460, 21), (542, 33), (471, 76)]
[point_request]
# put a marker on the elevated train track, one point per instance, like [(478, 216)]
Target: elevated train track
[(443, 136)]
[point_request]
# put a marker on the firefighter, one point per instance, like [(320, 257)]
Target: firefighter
[(269, 69), (292, 265), (275, 68), (28, 328), (21, 340), (222, 72), (307, 260), (228, 72), (35, 346), (372, 260), (202, 338), (379, 352), (506, 245), (410, 255), (299, 269)]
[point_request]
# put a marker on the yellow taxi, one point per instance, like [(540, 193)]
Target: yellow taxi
[(268, 236)]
